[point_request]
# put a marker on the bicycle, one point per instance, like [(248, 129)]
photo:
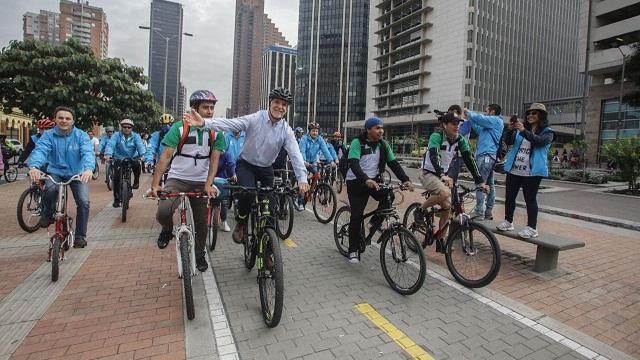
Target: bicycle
[(108, 171), (10, 171), (30, 206), (185, 243), (126, 191), (470, 245), (339, 182), (96, 171), (214, 206), (324, 199), (283, 206), (63, 236), (396, 243), (262, 249)]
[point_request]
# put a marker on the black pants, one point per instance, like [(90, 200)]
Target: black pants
[(358, 194), (248, 175), (117, 169), (530, 186)]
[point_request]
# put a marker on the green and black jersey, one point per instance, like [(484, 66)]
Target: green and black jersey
[(441, 152), (367, 160)]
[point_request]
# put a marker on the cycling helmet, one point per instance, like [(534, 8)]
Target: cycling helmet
[(108, 129), (282, 94), (126, 122), (199, 96), (448, 117), (337, 135), (166, 119), (45, 124), (313, 125), (299, 130)]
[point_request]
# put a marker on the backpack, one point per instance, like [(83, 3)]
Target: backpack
[(344, 160), (183, 140)]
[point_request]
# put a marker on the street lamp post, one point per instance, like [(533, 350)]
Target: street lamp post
[(624, 61), (166, 58)]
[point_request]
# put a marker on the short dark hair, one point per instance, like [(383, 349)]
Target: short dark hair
[(495, 107), (63, 108), (455, 108)]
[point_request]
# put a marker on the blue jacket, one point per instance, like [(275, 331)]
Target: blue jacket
[(120, 148), (234, 146), (310, 148), (538, 157), (66, 155), (226, 166), (489, 129), (332, 151), (154, 149), (104, 139)]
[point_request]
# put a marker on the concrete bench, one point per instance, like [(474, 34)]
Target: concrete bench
[(548, 245)]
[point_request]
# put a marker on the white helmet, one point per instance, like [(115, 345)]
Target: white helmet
[(126, 122)]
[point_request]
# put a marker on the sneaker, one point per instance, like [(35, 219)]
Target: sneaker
[(164, 238), (528, 232), (354, 258), (299, 207), (477, 215), (201, 264), (488, 216), (505, 226), (44, 222), (238, 232), (79, 243), (116, 204), (136, 184), (225, 226)]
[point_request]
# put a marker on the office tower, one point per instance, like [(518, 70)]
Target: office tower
[(278, 70)]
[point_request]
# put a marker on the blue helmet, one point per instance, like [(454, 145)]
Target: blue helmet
[(298, 130)]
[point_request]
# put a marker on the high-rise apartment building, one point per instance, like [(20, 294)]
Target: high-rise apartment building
[(44, 26), (613, 27), (332, 62), (183, 100), (278, 70), (77, 20), (271, 34), (428, 55), (165, 53), (87, 23)]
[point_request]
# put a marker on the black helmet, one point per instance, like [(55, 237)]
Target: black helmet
[(448, 117), (282, 94), (199, 96)]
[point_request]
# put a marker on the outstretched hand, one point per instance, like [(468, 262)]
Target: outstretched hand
[(193, 118)]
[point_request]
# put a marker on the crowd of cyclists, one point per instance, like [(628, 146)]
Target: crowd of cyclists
[(187, 155)]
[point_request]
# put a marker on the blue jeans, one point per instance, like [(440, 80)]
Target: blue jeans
[(485, 165), (80, 194)]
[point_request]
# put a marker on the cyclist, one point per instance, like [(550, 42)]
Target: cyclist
[(155, 147), (124, 145), (298, 132), (42, 125), (312, 146), (444, 145), (338, 145), (265, 135), (235, 141), (226, 170), (194, 162), (368, 155), (94, 141), (67, 151), (104, 140)]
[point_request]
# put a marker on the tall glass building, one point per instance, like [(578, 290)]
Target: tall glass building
[(278, 71), (165, 42), (331, 74)]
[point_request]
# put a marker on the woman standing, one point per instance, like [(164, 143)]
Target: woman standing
[(526, 165)]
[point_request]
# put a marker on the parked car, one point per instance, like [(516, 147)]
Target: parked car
[(16, 144)]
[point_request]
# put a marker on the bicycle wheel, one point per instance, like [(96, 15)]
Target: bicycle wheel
[(339, 182), (324, 203), (212, 228), (108, 179), (250, 245), (284, 216), (404, 269), (30, 209), (55, 258), (124, 197), (96, 172), (10, 173), (473, 255), (185, 259), (417, 228), (341, 230), (270, 279)]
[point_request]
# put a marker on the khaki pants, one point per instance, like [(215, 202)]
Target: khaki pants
[(167, 207)]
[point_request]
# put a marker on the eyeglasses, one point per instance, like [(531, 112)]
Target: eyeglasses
[(126, 127)]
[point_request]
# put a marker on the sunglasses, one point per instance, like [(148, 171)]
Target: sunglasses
[(126, 127)]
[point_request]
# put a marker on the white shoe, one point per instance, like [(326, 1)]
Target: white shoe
[(299, 207), (505, 226), (353, 258), (225, 227), (528, 232)]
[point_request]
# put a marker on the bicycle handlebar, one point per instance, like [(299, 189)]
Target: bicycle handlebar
[(71, 179), (162, 195)]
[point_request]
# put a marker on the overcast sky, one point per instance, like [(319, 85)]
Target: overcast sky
[(206, 58)]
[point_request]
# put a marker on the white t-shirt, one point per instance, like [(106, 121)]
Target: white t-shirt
[(95, 143), (521, 164)]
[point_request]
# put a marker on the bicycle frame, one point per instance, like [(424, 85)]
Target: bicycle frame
[(186, 226), (63, 222), (260, 213)]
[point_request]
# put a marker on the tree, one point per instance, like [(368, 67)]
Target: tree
[(625, 154), (36, 77)]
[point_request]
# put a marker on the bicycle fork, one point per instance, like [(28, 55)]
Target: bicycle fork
[(181, 229)]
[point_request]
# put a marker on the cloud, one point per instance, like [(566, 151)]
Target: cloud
[(207, 57)]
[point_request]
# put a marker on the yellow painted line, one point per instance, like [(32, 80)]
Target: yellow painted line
[(394, 333), (290, 243)]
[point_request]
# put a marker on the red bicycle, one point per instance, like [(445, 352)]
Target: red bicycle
[(63, 237)]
